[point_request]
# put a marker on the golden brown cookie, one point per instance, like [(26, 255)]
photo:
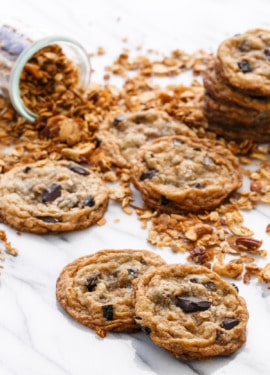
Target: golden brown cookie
[(222, 92), (190, 311), (236, 114), (178, 173), (243, 60), (96, 289), (223, 127), (124, 134), (51, 196)]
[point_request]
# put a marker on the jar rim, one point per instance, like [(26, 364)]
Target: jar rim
[(25, 56)]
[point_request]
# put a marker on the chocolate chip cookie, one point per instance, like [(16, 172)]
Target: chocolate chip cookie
[(126, 133), (179, 173), (222, 92), (190, 311), (243, 60), (51, 196), (96, 289)]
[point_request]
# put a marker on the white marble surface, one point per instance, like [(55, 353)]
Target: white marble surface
[(36, 336)]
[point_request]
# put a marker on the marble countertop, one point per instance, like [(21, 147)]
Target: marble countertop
[(36, 336)]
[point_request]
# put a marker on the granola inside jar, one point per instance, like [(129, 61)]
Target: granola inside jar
[(18, 46)]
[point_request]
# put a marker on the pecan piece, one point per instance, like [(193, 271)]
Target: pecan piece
[(201, 255), (256, 186), (247, 243)]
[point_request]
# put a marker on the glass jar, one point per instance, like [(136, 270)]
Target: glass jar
[(18, 44)]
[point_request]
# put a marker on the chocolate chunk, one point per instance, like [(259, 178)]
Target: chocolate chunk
[(146, 330), (210, 285), (192, 304), (219, 335), (48, 219), (91, 281), (132, 272), (107, 311), (267, 52), (245, 46), (198, 185), (78, 169), (235, 287), (148, 175), (244, 66), (117, 120), (94, 97), (89, 201), (51, 193), (97, 141), (26, 169), (140, 119), (142, 261), (164, 200), (229, 323)]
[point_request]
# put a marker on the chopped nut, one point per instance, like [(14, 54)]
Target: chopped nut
[(69, 131), (197, 231), (247, 243), (251, 269), (80, 152), (201, 255), (256, 186)]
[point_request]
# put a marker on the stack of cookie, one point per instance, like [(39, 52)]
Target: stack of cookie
[(186, 309), (237, 83)]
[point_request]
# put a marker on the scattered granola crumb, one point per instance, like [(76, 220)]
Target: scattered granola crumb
[(10, 249), (7, 246), (101, 222)]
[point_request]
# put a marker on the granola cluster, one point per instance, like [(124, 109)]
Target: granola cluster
[(67, 128), (8, 248)]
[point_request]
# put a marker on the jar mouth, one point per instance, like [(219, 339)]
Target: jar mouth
[(25, 56)]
